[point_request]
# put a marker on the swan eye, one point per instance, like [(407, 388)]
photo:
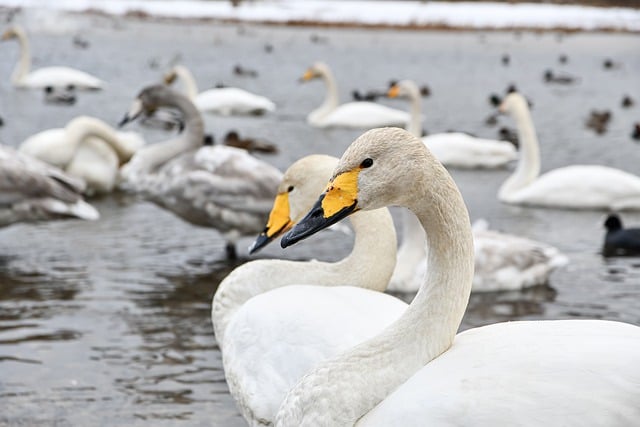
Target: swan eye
[(290, 189), (366, 163)]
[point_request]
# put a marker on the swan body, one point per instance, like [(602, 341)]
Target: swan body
[(418, 371), (503, 262), (357, 115), (276, 319), (454, 149), (47, 76), (31, 190), (225, 101), (573, 187), (86, 148), (220, 187)]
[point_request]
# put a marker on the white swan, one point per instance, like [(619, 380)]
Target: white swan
[(225, 101), (454, 149), (356, 115), (503, 262), (48, 76), (574, 187), (215, 186), (271, 332), (31, 190), (417, 372), (87, 148)]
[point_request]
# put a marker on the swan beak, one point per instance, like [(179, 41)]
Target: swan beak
[(308, 75), (337, 202), (134, 112), (279, 222), (7, 35), (393, 92)]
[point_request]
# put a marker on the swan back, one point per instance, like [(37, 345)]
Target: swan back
[(31, 190)]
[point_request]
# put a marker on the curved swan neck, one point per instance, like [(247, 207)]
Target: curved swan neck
[(367, 374), (375, 240), (331, 99), (24, 63), (189, 81), (528, 167), (192, 137), (415, 124), (80, 128)]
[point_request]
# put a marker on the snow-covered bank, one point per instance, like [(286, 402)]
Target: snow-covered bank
[(378, 13)]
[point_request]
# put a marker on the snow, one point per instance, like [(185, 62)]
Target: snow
[(389, 13)]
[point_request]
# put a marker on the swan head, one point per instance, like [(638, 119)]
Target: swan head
[(170, 77), (315, 71), (512, 103), (297, 193), (371, 174), (404, 88), (12, 32), (149, 100)]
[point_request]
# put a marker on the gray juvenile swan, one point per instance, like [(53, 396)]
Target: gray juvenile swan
[(31, 190), (418, 372), (214, 186)]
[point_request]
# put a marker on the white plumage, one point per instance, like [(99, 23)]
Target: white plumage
[(276, 319), (454, 149), (225, 101), (574, 187), (357, 115), (87, 148), (418, 371), (48, 76)]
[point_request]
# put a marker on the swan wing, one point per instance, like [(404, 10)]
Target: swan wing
[(50, 146), (508, 262), (221, 186), (464, 151), (277, 337), (365, 115), (580, 186), (61, 77), (31, 190), (231, 100), (525, 374)]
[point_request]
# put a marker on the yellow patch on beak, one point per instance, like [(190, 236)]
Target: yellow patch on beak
[(341, 193), (279, 220), (308, 75), (394, 91), (7, 35)]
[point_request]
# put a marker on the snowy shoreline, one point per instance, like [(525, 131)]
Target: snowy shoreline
[(403, 14)]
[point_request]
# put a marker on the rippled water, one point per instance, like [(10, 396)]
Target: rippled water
[(107, 323)]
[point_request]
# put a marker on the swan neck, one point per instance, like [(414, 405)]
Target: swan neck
[(78, 130), (24, 63), (189, 82), (528, 168), (415, 123), (331, 99), (374, 251), (191, 138)]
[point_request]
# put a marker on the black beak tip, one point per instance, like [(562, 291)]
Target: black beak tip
[(261, 241), (124, 120)]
